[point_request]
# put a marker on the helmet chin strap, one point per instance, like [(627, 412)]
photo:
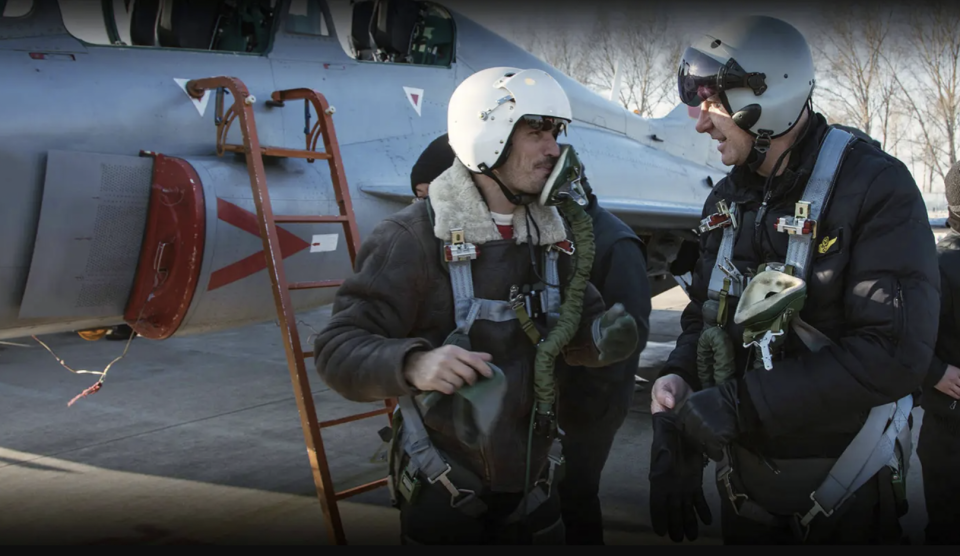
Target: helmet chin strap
[(516, 199), (759, 152)]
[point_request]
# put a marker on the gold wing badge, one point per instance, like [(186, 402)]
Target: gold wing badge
[(826, 244)]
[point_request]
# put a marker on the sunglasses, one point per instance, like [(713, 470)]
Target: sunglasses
[(547, 123)]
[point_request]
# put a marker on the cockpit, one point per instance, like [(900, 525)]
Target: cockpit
[(385, 31), (402, 31), (233, 26)]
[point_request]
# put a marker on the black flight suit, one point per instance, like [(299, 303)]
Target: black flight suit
[(593, 403), (939, 446)]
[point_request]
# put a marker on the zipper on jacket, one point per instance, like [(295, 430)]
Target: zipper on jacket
[(898, 309), (486, 466)]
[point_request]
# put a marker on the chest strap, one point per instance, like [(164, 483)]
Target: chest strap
[(725, 280), (459, 255), (802, 227)]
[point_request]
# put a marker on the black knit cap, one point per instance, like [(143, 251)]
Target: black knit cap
[(951, 186), (435, 160)]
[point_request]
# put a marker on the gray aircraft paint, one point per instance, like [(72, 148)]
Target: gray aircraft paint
[(110, 102)]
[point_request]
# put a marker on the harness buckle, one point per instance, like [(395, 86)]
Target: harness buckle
[(566, 246), (458, 250), (732, 495), (801, 525), (800, 223), (455, 492), (816, 509), (720, 219), (461, 252)]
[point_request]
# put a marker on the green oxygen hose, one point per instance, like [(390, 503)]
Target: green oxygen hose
[(544, 383)]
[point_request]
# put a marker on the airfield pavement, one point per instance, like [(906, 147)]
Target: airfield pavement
[(198, 440)]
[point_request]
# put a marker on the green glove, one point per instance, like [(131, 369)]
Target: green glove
[(615, 334)]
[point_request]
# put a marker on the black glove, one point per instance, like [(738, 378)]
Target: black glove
[(676, 481), (716, 416)]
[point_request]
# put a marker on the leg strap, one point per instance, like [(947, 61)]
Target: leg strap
[(426, 459)]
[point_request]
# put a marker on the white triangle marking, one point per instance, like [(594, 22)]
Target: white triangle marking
[(418, 93), (200, 105)]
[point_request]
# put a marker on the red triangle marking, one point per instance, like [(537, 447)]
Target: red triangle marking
[(247, 221), (415, 97)]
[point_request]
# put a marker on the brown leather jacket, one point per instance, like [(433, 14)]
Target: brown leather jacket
[(400, 299)]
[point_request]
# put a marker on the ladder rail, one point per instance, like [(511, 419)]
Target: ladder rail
[(331, 147), (242, 110)]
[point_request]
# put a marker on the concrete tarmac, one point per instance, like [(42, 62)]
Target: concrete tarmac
[(198, 440)]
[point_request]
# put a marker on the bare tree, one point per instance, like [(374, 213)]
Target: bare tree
[(930, 82), (560, 46), (641, 40), (647, 46), (850, 50)]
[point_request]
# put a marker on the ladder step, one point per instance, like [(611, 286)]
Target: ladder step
[(360, 489), (357, 417), (280, 152), (308, 219), (312, 285), (308, 355)]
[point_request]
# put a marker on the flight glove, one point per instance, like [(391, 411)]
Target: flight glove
[(716, 416), (676, 481), (615, 334)]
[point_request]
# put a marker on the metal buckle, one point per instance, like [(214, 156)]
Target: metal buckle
[(452, 489), (720, 219), (562, 246), (731, 494), (800, 223), (801, 525), (736, 279)]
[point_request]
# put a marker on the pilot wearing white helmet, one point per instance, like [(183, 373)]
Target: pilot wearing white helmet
[(450, 300)]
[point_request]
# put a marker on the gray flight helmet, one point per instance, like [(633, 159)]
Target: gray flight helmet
[(759, 67)]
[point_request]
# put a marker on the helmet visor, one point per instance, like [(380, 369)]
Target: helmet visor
[(697, 78), (546, 123)]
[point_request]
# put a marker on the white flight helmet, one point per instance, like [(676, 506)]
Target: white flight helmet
[(761, 69), (486, 107)]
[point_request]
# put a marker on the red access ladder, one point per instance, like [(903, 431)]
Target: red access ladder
[(242, 109)]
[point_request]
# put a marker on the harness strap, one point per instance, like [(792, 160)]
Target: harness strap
[(874, 448), (816, 194), (553, 292), (425, 458)]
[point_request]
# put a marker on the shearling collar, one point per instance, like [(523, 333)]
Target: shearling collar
[(457, 203)]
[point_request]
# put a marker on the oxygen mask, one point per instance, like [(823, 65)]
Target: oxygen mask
[(564, 182)]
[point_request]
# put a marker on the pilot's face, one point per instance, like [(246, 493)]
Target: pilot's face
[(532, 156), (735, 143), (422, 190)]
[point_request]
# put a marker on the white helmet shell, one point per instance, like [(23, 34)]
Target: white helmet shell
[(758, 44), (484, 109)]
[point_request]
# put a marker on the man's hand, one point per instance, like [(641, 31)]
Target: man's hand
[(950, 382), (445, 369), (615, 334), (667, 392), (715, 416), (676, 482)]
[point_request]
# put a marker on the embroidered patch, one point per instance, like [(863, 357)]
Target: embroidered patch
[(829, 243)]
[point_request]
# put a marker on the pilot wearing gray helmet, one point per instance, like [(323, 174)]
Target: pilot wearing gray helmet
[(817, 251)]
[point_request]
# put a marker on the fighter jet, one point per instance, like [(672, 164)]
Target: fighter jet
[(118, 207)]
